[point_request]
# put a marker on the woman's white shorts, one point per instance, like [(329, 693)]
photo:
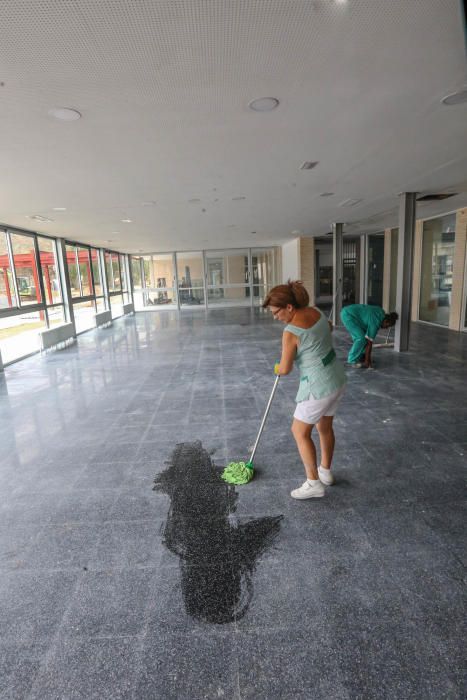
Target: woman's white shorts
[(312, 410)]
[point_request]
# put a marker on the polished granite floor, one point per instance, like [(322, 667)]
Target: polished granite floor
[(129, 570)]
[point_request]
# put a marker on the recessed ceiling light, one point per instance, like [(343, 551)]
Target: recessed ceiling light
[(309, 164), (326, 194), (58, 208), (37, 217), (126, 221), (264, 104), (237, 199), (455, 98), (65, 114)]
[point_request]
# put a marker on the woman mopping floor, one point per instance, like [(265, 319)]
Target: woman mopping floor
[(307, 341)]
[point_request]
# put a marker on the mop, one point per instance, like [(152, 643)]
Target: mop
[(243, 472), (387, 343)]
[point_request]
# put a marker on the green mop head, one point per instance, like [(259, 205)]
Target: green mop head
[(238, 473)]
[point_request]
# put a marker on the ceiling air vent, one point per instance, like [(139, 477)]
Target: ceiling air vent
[(349, 202), (435, 197), (309, 164)]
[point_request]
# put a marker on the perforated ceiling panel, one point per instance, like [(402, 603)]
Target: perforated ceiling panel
[(163, 88)]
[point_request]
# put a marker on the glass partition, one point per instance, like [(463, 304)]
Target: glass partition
[(228, 277), (190, 275), (436, 269)]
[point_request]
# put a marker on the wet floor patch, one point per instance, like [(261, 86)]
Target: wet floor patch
[(217, 556)]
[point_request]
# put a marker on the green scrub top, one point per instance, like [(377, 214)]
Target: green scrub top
[(321, 373), (366, 317)]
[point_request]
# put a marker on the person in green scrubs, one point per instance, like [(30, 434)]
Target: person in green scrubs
[(363, 322)]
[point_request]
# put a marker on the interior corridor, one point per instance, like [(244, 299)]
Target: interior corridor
[(112, 586)]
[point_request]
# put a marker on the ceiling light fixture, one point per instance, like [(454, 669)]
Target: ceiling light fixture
[(326, 194), (349, 202), (126, 221), (65, 114), (455, 98), (264, 104), (309, 164), (37, 217), (58, 208)]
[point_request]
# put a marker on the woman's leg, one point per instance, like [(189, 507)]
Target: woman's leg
[(326, 440), (357, 349), (302, 434)]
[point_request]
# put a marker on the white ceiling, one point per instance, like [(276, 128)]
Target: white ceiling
[(164, 85)]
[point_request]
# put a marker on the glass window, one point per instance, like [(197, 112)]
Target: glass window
[(73, 270), (116, 305), (116, 272), (436, 269), (27, 278), (7, 287), (113, 271), (123, 272), (49, 268), (96, 271), (136, 273), (84, 313), (19, 334), (85, 271), (56, 315)]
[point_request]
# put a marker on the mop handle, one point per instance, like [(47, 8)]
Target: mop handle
[(265, 416)]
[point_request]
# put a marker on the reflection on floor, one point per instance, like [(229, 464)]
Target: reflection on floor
[(109, 589)]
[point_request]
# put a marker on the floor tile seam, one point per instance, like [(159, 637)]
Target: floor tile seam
[(53, 641)]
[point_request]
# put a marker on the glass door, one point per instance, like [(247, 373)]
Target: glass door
[(436, 269), (228, 277), (264, 269), (190, 278), (375, 269), (159, 281)]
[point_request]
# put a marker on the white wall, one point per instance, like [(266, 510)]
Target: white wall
[(291, 260)]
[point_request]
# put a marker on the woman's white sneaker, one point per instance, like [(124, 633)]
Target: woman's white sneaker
[(308, 490), (325, 476)]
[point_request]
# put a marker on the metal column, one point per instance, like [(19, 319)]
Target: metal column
[(337, 270), (407, 204)]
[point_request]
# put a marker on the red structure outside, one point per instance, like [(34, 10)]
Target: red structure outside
[(47, 259)]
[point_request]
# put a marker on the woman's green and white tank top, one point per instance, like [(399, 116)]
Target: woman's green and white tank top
[(321, 373)]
